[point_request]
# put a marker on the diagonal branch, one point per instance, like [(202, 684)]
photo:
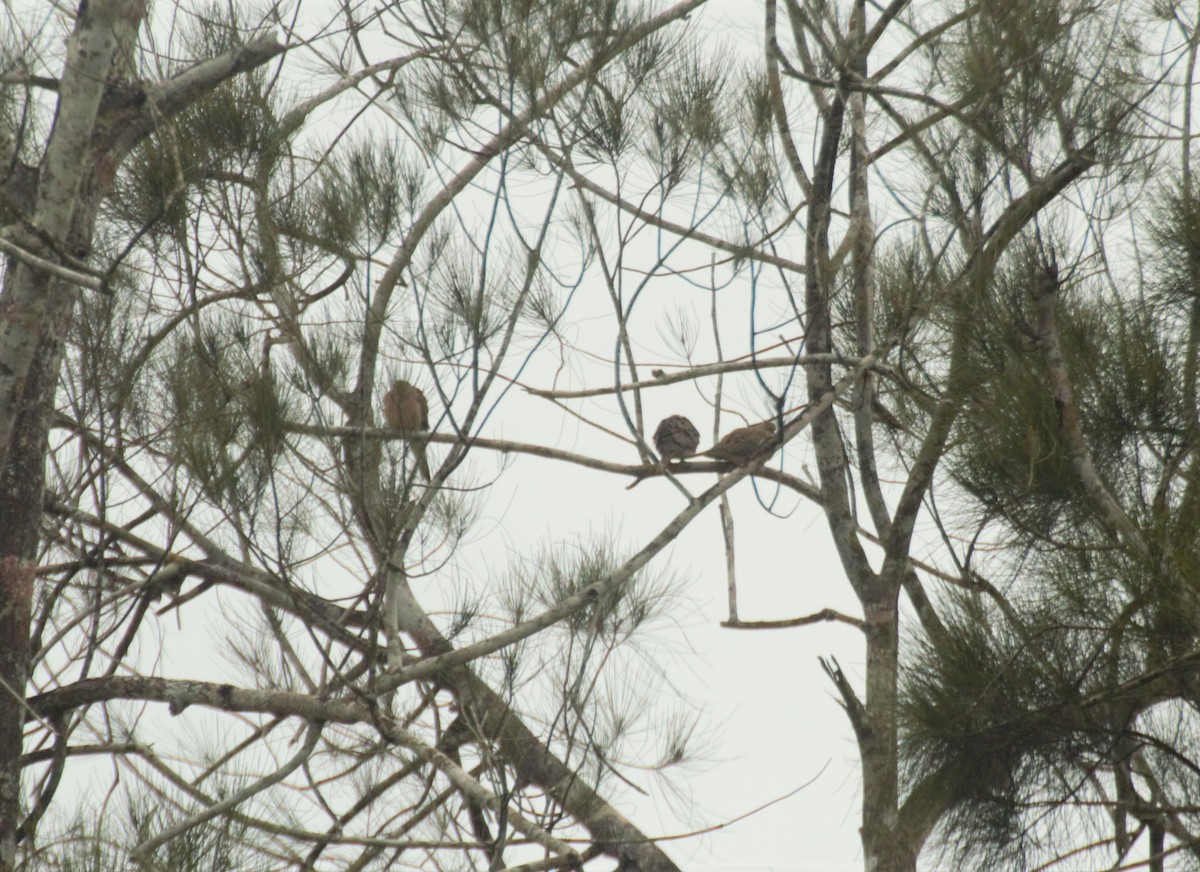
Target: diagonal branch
[(978, 269), (1045, 296), (169, 96), (141, 852)]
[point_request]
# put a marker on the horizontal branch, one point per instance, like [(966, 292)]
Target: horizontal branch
[(504, 446), (815, 618), (46, 754), (178, 694), (701, 371), (25, 80), (68, 275)]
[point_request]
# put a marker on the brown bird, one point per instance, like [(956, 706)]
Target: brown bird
[(744, 444), (405, 408), (676, 437)]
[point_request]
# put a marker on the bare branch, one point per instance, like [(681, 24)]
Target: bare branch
[(785, 623)]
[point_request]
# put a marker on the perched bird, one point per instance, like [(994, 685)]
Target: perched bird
[(405, 408), (744, 444), (676, 438)]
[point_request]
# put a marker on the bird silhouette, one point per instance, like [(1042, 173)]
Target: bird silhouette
[(744, 444), (676, 437), (405, 408)]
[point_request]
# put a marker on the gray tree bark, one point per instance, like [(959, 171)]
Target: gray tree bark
[(102, 113)]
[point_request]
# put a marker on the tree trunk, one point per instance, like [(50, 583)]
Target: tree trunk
[(101, 114), (21, 485), (884, 848), (35, 314)]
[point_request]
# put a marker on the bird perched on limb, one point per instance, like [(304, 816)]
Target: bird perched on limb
[(744, 444), (676, 438), (405, 408)]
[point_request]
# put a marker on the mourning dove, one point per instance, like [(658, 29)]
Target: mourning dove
[(405, 408), (676, 437), (744, 444)]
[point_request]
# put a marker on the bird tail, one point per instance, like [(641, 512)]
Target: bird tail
[(419, 457)]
